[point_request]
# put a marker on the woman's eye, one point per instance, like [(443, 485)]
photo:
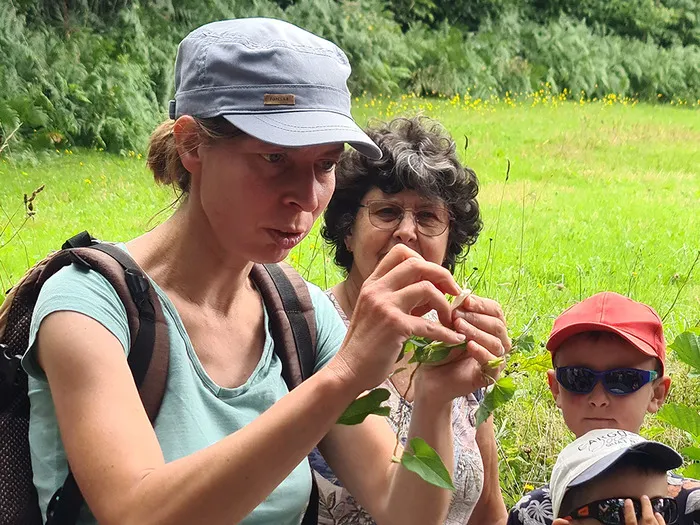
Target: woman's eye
[(427, 216), (388, 213), (327, 165), (273, 158)]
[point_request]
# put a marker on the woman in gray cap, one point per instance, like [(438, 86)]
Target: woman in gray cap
[(259, 120)]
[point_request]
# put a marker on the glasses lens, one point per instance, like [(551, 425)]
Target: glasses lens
[(623, 381), (384, 215), (667, 507), (432, 221), (576, 379)]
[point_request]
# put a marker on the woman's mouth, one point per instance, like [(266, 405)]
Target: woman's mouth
[(286, 240)]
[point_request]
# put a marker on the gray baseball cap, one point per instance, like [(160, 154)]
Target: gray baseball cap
[(272, 80)]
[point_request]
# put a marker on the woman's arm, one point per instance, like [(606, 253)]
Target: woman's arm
[(409, 499), (113, 450), (490, 507), (116, 458)]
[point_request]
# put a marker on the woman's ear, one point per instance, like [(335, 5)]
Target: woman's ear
[(659, 392), (187, 141), (561, 521)]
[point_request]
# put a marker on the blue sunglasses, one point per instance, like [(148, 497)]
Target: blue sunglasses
[(619, 381)]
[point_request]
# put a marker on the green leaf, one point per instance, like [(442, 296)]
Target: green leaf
[(422, 459), (411, 345), (497, 395), (691, 453), (681, 416), (524, 343), (692, 471), (433, 352), (495, 363), (540, 362), (363, 406), (687, 348)]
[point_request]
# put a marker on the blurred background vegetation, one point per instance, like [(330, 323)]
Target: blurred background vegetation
[(98, 73)]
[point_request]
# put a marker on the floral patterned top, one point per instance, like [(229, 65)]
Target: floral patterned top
[(338, 507), (535, 508)]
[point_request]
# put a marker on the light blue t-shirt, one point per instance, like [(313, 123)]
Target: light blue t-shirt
[(195, 412)]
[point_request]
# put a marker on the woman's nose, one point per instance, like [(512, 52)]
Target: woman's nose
[(406, 230)]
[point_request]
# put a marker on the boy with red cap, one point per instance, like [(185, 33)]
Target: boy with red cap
[(608, 353)]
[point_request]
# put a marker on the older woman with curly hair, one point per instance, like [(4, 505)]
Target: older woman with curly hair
[(417, 194)]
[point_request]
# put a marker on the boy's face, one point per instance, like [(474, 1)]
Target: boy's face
[(623, 483), (599, 408)]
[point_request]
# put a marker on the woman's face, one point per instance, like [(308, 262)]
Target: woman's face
[(370, 244), (261, 200)]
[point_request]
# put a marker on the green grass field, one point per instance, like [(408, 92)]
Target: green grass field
[(601, 196)]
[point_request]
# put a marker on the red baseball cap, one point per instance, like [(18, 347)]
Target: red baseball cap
[(637, 323)]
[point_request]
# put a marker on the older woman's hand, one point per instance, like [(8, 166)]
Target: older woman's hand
[(482, 321), (388, 312)]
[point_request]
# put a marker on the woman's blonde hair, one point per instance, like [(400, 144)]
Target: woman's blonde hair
[(163, 158)]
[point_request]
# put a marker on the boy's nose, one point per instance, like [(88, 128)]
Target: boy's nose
[(598, 396)]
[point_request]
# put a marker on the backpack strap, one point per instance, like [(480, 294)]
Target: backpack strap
[(293, 326), (149, 354), (292, 319)]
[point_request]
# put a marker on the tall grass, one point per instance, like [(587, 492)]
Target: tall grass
[(601, 196)]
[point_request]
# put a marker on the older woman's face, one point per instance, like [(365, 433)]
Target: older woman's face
[(369, 244)]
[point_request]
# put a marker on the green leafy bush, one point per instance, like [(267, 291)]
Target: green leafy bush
[(99, 74)]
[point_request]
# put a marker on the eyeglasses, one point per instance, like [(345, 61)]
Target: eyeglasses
[(611, 511), (430, 220), (619, 381)]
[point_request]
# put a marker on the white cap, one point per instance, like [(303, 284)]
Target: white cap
[(597, 451)]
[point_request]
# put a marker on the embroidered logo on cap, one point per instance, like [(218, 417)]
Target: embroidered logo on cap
[(279, 100)]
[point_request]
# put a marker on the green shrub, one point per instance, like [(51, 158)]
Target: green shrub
[(100, 74)]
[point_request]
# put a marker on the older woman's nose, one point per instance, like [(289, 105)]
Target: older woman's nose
[(407, 231)]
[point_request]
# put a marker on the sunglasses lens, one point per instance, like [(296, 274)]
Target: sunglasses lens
[(576, 379), (623, 381), (667, 507), (612, 511)]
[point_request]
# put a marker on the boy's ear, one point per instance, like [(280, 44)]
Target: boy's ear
[(561, 521), (660, 389), (553, 386)]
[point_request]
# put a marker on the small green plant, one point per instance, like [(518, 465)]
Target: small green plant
[(686, 418)]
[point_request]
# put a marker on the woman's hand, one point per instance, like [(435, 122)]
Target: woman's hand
[(483, 323), (388, 311)]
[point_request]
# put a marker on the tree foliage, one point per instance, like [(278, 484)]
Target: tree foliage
[(98, 73)]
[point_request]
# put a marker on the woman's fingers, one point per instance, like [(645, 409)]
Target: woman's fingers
[(486, 319), (490, 343), (482, 305), (402, 267), (421, 297)]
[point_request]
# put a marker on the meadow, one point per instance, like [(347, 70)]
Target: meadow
[(577, 197)]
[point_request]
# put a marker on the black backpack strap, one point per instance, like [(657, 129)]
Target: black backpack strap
[(149, 354), (293, 326)]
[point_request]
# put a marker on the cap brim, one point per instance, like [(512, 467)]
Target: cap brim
[(556, 339), (297, 129), (666, 458)]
